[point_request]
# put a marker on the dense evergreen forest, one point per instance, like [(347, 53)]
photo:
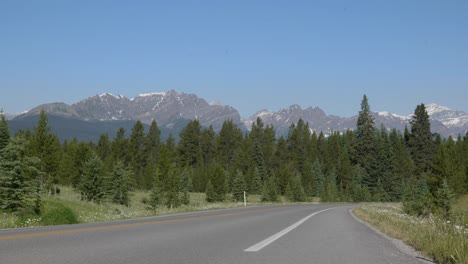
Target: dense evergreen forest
[(365, 164)]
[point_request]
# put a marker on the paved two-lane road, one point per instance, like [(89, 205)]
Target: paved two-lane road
[(270, 234)]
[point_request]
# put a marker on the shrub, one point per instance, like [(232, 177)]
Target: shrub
[(59, 214)]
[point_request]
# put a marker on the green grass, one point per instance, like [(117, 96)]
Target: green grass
[(445, 242), (68, 203), (461, 206)]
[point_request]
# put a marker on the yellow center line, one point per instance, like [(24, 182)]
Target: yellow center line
[(116, 226)]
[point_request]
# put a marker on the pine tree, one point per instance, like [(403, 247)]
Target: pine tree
[(270, 190), (19, 178), (228, 144), (420, 142), (136, 151), (120, 147), (208, 145), (256, 184), (318, 178), (185, 186), (151, 150), (417, 198), (295, 191), (4, 131), (104, 147), (330, 192), (211, 195), (91, 184), (172, 188), (46, 147), (120, 184), (445, 199), (364, 150), (189, 147), (238, 187), (156, 194)]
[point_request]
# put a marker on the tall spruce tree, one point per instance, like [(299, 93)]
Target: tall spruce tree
[(4, 131), (46, 147), (318, 177), (238, 187), (91, 184), (136, 151), (294, 190), (364, 150), (120, 184), (189, 146), (19, 178), (157, 192), (420, 142), (270, 190)]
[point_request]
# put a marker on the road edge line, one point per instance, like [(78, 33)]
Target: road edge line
[(259, 246)]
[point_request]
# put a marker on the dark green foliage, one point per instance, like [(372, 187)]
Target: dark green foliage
[(318, 177), (218, 184), (270, 190), (189, 147), (420, 142), (238, 187), (330, 192), (58, 214), (256, 184), (120, 184), (294, 189), (417, 198), (46, 147), (185, 186), (156, 193), (364, 148), (92, 181), (228, 143), (4, 131), (211, 195), (172, 189), (445, 200), (19, 178), (137, 155)]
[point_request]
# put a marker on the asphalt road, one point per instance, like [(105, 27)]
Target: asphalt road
[(270, 234)]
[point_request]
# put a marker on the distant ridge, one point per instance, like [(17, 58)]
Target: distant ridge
[(172, 110)]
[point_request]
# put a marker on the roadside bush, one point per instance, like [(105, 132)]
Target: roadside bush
[(59, 214)]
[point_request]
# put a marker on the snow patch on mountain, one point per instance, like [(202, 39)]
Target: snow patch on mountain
[(434, 109), (390, 115)]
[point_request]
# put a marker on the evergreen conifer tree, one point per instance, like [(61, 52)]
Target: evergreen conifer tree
[(420, 142), (238, 187), (256, 184), (270, 190), (364, 149), (91, 184), (46, 147), (4, 131), (445, 200), (295, 191), (120, 184), (318, 178), (211, 195), (172, 188), (19, 178), (156, 194)]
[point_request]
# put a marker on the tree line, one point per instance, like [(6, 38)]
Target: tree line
[(365, 164)]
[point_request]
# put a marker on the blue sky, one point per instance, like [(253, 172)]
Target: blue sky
[(249, 54)]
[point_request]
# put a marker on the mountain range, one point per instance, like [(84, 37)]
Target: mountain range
[(106, 113)]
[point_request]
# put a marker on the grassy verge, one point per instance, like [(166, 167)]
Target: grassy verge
[(68, 203), (445, 242)]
